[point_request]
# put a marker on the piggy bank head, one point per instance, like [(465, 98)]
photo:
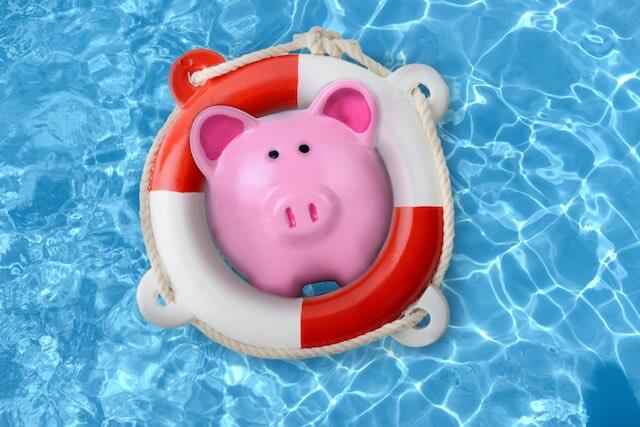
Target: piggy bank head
[(296, 197)]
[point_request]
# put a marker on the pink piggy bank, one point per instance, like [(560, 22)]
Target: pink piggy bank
[(296, 197)]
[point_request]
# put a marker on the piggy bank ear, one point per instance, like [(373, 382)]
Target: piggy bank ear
[(213, 130), (351, 103)]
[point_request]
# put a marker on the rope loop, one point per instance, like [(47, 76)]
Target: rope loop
[(319, 42)]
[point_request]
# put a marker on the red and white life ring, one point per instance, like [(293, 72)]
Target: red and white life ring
[(207, 289)]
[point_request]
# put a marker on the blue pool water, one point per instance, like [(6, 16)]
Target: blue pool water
[(542, 143)]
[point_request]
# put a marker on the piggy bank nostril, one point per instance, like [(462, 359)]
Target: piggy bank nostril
[(291, 218), (302, 211), (313, 212)]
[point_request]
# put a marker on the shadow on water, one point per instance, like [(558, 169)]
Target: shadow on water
[(610, 401)]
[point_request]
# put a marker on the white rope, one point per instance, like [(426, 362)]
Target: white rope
[(319, 42)]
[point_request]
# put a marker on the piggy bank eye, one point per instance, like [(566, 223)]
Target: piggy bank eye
[(273, 154), (304, 148)]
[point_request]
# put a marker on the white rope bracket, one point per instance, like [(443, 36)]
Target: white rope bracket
[(323, 42), (170, 315)]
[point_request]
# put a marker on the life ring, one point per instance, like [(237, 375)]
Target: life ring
[(207, 289)]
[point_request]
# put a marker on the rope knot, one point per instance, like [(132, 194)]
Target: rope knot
[(320, 41)]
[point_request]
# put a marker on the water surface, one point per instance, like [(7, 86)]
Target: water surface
[(542, 143)]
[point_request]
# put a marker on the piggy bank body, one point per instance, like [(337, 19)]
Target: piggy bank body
[(296, 197)]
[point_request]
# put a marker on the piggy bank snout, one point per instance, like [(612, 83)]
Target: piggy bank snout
[(302, 210)]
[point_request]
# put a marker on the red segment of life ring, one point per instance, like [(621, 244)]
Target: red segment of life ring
[(396, 279), (407, 261), (260, 88)]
